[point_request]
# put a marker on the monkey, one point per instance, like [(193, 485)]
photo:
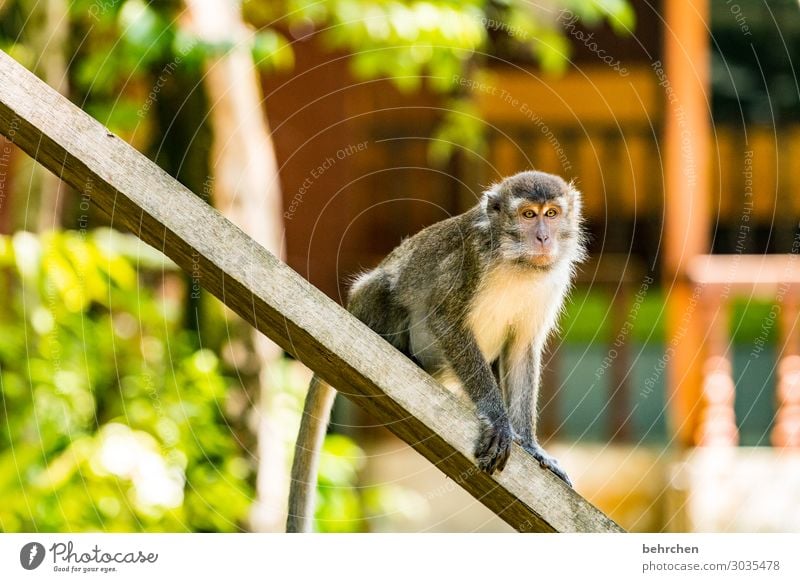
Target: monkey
[(472, 300)]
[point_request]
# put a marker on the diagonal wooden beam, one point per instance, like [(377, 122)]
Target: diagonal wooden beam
[(140, 196)]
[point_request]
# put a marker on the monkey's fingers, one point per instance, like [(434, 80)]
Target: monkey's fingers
[(504, 459), (559, 472), (500, 457), (548, 462), (486, 453), (493, 447)]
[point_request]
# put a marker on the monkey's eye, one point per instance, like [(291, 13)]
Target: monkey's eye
[(528, 214), (551, 212)]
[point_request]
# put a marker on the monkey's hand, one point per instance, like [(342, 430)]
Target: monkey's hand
[(546, 461), (494, 444)]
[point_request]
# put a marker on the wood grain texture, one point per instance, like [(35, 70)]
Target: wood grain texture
[(277, 301)]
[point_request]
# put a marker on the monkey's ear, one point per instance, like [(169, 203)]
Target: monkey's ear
[(492, 201), (576, 199)]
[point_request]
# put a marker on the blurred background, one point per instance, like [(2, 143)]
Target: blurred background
[(330, 130)]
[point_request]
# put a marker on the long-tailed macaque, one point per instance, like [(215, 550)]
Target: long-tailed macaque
[(472, 299)]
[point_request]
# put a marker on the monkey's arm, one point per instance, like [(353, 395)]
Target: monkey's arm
[(522, 379), (459, 347)]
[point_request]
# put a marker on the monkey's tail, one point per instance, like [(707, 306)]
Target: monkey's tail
[(313, 425)]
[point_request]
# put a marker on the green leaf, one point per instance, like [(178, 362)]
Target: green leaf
[(143, 29), (272, 52)]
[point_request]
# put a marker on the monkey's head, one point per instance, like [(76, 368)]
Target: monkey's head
[(536, 219)]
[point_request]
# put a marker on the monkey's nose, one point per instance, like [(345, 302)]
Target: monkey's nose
[(542, 237)]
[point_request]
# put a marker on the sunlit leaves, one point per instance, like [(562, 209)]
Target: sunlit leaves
[(340, 509), (619, 13), (461, 130), (552, 50), (144, 29), (402, 41), (114, 419), (272, 52)]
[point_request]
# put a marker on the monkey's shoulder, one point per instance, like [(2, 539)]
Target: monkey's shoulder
[(454, 235)]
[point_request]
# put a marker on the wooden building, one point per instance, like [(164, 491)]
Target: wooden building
[(672, 170)]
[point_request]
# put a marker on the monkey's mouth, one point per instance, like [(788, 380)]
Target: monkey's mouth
[(530, 255), (541, 260)]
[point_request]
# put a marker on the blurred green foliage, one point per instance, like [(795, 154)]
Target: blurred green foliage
[(121, 49), (115, 419), (402, 41), (439, 44), (408, 41)]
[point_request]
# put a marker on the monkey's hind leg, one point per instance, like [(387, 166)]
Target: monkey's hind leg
[(307, 449), (373, 302)]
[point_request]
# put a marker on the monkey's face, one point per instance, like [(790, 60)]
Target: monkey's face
[(539, 226), (537, 219)]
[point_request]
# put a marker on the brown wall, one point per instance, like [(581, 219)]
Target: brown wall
[(384, 187), (353, 166)]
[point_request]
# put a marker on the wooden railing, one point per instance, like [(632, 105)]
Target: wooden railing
[(775, 278), (139, 196)]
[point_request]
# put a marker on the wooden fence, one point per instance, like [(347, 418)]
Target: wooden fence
[(139, 196)]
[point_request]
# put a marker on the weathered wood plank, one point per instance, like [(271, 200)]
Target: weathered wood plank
[(278, 302)]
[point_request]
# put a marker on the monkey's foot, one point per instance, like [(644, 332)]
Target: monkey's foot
[(547, 461), (494, 445)]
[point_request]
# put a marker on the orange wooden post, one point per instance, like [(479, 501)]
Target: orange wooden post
[(685, 79)]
